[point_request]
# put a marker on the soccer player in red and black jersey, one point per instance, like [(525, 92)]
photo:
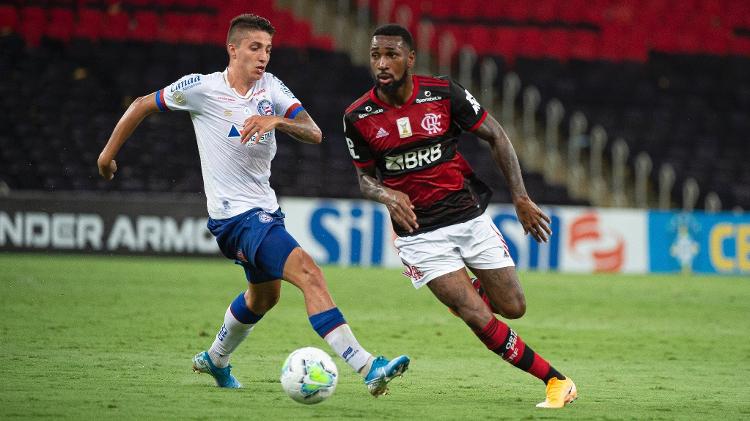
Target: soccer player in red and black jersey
[(402, 136)]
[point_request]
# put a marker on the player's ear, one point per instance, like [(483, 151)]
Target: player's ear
[(410, 59), (232, 51)]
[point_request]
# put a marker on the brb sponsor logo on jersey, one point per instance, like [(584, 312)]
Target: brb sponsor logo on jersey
[(414, 159)]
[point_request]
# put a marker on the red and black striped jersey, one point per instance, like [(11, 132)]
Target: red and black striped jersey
[(414, 148)]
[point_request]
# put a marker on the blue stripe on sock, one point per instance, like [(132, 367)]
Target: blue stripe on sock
[(242, 313), (325, 322)]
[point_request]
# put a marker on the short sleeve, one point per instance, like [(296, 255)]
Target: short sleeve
[(182, 95), (465, 109), (358, 148), (284, 102)]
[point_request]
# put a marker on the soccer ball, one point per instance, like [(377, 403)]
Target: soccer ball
[(309, 375)]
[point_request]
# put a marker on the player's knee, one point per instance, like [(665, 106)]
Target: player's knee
[(515, 309), (262, 303)]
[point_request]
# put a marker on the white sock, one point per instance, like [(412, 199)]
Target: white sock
[(345, 345), (230, 336)]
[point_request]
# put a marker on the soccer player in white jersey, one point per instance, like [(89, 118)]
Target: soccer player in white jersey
[(235, 114)]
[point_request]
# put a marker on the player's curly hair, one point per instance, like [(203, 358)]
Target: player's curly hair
[(245, 22), (392, 29)]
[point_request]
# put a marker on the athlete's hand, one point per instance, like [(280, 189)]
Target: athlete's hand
[(401, 209), (257, 126), (107, 168), (533, 220)]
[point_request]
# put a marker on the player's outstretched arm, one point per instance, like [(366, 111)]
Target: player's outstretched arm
[(302, 127), (533, 220), (398, 203), (132, 117)]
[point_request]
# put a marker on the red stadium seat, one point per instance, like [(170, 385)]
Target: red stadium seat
[(557, 43), (302, 33), (90, 24), (468, 9), (201, 28), (543, 11), (531, 43), (492, 10), (32, 24), (506, 42), (583, 45), (146, 26), (480, 37), (442, 9), (116, 26), (173, 28), (291, 32), (716, 41), (8, 19), (61, 24), (571, 10), (739, 46), (515, 10), (322, 43)]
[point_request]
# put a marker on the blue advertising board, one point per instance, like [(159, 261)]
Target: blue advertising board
[(699, 242)]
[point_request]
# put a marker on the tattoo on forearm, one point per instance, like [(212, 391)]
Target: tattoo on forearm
[(371, 188), (302, 128)]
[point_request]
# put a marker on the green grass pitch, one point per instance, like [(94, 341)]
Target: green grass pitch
[(92, 337)]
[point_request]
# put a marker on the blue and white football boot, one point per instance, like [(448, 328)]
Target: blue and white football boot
[(202, 364), (383, 371)]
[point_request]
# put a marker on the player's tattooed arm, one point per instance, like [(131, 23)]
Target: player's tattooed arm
[(398, 203), (534, 221), (302, 128)]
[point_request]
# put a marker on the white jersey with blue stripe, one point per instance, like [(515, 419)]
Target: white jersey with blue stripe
[(235, 176)]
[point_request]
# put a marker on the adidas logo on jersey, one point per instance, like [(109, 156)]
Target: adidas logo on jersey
[(381, 133)]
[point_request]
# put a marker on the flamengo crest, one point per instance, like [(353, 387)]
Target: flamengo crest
[(413, 272), (431, 123)]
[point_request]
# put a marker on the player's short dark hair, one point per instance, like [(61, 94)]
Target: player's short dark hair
[(248, 22), (392, 29)]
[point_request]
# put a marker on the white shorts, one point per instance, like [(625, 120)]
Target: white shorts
[(476, 243)]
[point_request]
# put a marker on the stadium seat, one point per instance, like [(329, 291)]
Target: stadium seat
[(507, 42), (116, 26), (480, 37), (173, 27), (583, 45), (531, 42), (8, 19), (32, 24), (558, 43), (90, 24), (200, 28), (146, 26), (674, 94), (61, 24)]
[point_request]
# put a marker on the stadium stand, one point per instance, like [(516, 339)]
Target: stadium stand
[(672, 81), (92, 61), (671, 78)]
